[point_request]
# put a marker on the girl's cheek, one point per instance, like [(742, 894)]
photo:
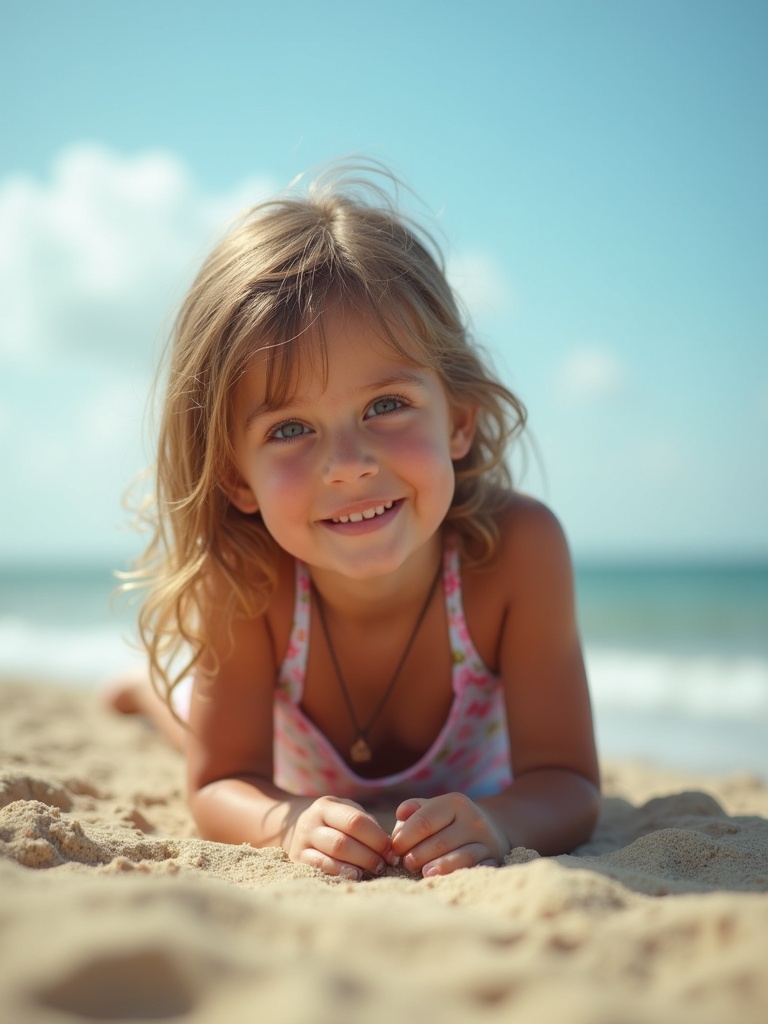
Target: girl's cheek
[(425, 449), (282, 479)]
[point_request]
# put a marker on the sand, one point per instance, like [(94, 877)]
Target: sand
[(111, 908)]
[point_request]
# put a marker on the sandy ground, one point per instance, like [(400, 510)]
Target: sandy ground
[(111, 908)]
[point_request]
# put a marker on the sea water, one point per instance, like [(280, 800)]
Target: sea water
[(677, 655), (677, 658)]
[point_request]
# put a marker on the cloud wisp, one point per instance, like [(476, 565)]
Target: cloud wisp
[(93, 259), (590, 375)]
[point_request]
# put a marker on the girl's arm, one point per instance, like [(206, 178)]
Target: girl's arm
[(553, 802), (229, 760)]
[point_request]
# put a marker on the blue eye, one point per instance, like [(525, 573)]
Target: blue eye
[(288, 431), (384, 405)]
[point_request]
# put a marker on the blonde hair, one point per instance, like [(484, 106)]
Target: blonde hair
[(262, 288)]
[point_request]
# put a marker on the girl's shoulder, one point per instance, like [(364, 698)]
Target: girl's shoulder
[(526, 583), (226, 597), (527, 524), (531, 545)]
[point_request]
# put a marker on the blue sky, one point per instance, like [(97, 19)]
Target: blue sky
[(596, 173)]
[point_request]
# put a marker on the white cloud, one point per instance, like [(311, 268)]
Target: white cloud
[(74, 445), (590, 374), (480, 282), (94, 259)]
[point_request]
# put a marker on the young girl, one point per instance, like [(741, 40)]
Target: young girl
[(386, 661)]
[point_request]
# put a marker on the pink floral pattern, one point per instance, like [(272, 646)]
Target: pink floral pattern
[(471, 754)]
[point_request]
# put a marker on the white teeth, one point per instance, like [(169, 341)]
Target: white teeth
[(369, 513)]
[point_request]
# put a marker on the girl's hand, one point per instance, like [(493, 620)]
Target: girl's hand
[(341, 838), (439, 835)]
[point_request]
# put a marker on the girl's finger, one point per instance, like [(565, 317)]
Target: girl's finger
[(344, 849), (447, 841), (470, 856), (330, 866), (406, 809), (355, 823), (428, 819)]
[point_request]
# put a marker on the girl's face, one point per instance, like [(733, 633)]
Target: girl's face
[(354, 472)]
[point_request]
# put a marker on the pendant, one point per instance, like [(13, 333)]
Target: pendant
[(360, 752)]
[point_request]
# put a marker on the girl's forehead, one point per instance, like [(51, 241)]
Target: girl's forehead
[(339, 342)]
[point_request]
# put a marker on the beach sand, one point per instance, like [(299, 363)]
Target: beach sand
[(111, 908)]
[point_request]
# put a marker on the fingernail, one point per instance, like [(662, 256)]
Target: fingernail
[(393, 860), (350, 874), (429, 872)]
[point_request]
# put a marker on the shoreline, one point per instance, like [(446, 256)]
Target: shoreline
[(674, 739), (662, 916)]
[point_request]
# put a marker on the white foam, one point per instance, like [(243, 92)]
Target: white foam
[(85, 656), (662, 683)]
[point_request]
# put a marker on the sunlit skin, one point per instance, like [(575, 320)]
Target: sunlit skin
[(354, 475)]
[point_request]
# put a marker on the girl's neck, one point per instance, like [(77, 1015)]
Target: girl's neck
[(363, 599)]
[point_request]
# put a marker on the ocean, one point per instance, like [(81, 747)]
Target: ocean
[(677, 655)]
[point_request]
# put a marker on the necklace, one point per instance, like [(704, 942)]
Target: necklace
[(360, 751)]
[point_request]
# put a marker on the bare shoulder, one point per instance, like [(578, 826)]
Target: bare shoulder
[(526, 519), (532, 535), (220, 603), (532, 545), (526, 582)]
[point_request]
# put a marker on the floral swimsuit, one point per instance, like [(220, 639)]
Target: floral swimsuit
[(470, 755)]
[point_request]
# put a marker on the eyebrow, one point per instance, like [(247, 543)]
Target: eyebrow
[(408, 378)]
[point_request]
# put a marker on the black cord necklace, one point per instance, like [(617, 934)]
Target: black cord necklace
[(360, 751)]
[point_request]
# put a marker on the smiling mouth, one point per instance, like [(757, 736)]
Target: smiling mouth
[(368, 513)]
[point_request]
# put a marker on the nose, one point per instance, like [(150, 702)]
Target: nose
[(349, 456)]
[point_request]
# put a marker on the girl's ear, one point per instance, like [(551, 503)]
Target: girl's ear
[(239, 493), (463, 420)]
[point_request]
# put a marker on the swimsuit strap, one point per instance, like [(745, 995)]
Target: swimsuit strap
[(463, 651), (294, 666)]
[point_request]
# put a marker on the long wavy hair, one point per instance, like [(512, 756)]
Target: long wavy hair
[(265, 288)]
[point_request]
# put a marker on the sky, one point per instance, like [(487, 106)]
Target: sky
[(595, 172)]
